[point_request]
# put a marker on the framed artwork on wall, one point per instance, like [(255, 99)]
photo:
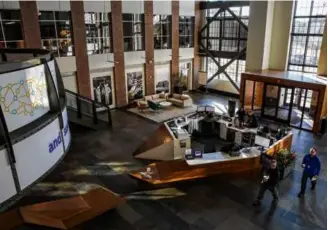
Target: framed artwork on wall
[(135, 86), (103, 90)]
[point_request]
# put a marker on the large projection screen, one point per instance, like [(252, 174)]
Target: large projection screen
[(38, 153), (23, 96)]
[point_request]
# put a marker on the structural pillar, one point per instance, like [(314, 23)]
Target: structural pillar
[(118, 49), (259, 35), (280, 36), (322, 63), (80, 48), (175, 44), (30, 24), (149, 48), (196, 60)]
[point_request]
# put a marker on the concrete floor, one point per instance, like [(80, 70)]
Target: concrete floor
[(103, 158)]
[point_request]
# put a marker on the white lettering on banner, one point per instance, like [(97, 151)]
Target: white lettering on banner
[(58, 140)]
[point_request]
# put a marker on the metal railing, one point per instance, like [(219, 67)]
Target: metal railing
[(86, 107)]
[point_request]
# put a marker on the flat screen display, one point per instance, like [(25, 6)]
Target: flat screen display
[(262, 141), (201, 109)]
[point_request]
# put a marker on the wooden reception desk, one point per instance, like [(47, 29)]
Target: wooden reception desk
[(211, 164)]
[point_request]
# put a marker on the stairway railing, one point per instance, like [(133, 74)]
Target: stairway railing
[(87, 107)]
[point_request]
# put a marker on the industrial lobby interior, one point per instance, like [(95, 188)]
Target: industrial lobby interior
[(168, 115), (104, 159)]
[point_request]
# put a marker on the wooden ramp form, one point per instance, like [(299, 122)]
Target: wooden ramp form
[(159, 146), (67, 213)]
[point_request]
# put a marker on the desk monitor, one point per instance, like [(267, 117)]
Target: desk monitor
[(198, 153), (262, 141), (273, 127), (201, 108), (209, 109)]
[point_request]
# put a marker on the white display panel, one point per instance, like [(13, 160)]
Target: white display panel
[(38, 153), (7, 187), (52, 69), (23, 96), (262, 141), (162, 78), (66, 130)]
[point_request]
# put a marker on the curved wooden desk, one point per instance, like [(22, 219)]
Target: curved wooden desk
[(219, 163)]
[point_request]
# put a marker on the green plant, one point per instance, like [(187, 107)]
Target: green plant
[(284, 157)]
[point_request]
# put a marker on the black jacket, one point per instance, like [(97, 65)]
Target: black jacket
[(273, 177), (252, 121)]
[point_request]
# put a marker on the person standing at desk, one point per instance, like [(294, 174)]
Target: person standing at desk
[(252, 120), (241, 114), (311, 165), (269, 182)]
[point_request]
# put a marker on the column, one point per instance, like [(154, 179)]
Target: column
[(118, 49), (175, 44), (196, 60), (80, 48), (30, 24), (259, 35), (280, 36), (149, 48), (322, 63)]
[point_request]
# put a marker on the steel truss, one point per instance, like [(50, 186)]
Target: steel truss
[(232, 55)]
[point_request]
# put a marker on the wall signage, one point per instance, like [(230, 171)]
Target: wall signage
[(58, 140)]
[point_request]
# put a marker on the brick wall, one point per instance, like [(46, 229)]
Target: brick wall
[(30, 24), (118, 49), (175, 44), (149, 48), (80, 48)]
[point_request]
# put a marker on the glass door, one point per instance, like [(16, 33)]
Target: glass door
[(270, 102), (284, 104)]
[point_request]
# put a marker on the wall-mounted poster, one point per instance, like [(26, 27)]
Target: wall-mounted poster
[(103, 90), (135, 85), (162, 78)]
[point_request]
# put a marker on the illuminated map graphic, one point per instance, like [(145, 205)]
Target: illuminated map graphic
[(24, 97)]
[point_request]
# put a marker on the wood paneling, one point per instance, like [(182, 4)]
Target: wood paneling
[(284, 143), (80, 48), (196, 60), (175, 44), (67, 213), (118, 49), (149, 49), (179, 170), (30, 24)]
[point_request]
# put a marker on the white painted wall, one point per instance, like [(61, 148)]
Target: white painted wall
[(185, 53), (12, 5), (222, 85), (162, 7), (70, 83), (187, 8), (133, 7), (66, 64), (163, 55), (134, 58), (97, 6), (101, 61)]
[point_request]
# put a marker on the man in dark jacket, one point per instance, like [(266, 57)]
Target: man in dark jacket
[(252, 120), (269, 182), (311, 165), (241, 114)]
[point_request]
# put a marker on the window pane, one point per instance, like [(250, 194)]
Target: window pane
[(47, 29), (313, 50), (10, 15), (62, 16), (12, 30), (301, 25), (319, 8), (46, 15), (317, 25), (303, 7)]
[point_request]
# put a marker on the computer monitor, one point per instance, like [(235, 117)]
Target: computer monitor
[(209, 109), (201, 108), (262, 141), (209, 147)]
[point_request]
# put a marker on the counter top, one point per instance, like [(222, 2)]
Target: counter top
[(215, 157)]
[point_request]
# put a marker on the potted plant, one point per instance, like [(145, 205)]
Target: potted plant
[(285, 162)]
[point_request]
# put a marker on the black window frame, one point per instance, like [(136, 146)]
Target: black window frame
[(186, 31), (136, 25), (305, 34), (162, 39), (11, 34)]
